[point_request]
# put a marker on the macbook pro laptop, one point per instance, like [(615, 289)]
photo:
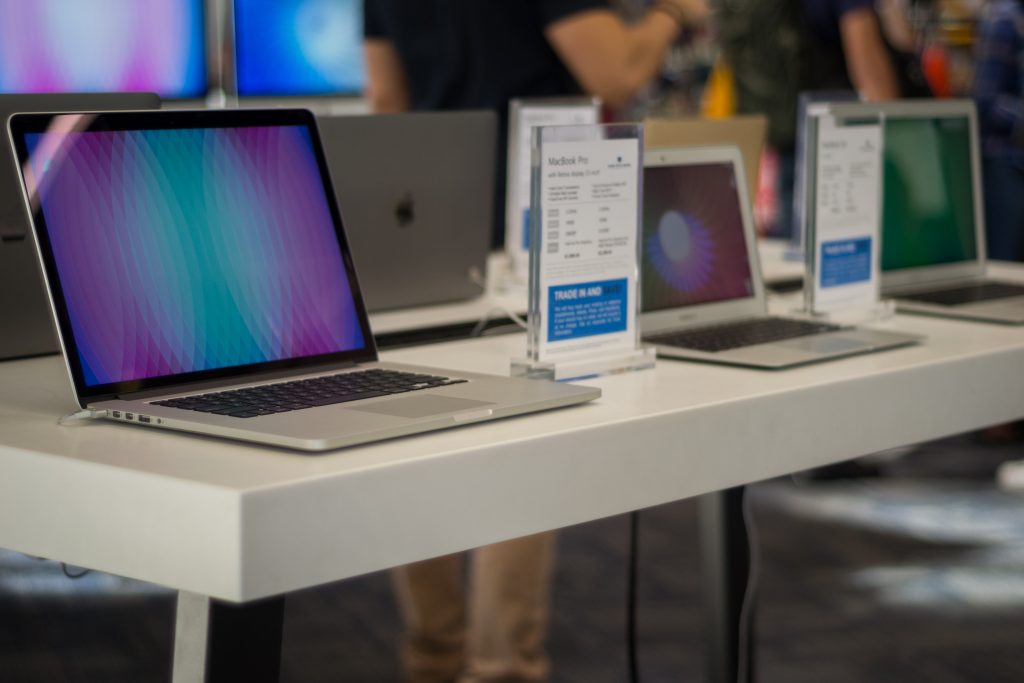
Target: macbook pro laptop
[(702, 294), (201, 280), (933, 217), (26, 328), (417, 192)]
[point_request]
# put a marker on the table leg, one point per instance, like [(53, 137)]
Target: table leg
[(216, 641), (725, 555)]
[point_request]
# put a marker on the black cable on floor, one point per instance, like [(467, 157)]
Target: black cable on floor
[(70, 574), (631, 581), (746, 620)]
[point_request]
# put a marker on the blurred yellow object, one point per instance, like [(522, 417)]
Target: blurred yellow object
[(719, 101)]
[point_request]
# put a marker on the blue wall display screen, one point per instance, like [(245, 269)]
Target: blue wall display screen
[(298, 47)]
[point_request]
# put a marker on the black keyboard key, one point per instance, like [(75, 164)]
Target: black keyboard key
[(345, 398), (231, 410)]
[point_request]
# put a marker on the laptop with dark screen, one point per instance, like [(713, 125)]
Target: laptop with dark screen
[(701, 292), (201, 281)]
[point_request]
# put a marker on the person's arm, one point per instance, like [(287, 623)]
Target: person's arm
[(614, 61), (867, 57), (387, 88), (896, 25)]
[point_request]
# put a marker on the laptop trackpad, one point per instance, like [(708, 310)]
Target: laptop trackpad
[(421, 406), (824, 345)]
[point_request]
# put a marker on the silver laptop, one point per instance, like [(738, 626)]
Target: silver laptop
[(201, 280), (26, 328), (933, 217), (702, 294), (417, 191)]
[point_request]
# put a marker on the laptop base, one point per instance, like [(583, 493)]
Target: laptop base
[(999, 302), (479, 398), (800, 350), (1002, 312)]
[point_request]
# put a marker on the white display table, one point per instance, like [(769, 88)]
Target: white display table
[(239, 523)]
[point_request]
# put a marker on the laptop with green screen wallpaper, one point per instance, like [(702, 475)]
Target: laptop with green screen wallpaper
[(933, 230)]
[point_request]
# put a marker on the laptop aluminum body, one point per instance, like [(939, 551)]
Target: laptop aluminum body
[(26, 327), (418, 196), (933, 230), (701, 266), (192, 252)]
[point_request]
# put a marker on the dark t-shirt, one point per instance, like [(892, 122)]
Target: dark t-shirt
[(822, 19), (477, 54), (466, 54)]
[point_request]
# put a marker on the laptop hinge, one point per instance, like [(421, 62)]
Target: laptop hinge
[(248, 378)]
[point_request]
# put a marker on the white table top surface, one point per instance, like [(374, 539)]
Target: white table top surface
[(240, 522)]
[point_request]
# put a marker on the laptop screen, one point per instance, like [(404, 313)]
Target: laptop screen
[(928, 200), (694, 249), (191, 249)]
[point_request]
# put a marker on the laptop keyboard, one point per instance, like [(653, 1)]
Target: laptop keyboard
[(969, 294), (284, 397), (735, 335)]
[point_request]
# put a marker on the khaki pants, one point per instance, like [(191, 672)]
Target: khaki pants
[(499, 635)]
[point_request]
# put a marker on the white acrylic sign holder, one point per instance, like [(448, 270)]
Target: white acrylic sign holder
[(843, 211), (584, 299), (523, 116)]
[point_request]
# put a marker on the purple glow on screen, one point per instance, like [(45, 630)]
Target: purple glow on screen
[(102, 46)]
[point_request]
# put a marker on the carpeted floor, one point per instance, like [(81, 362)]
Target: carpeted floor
[(917, 575)]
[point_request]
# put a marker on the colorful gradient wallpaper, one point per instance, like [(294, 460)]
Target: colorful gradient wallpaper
[(103, 46), (693, 245), (298, 47), (195, 249)]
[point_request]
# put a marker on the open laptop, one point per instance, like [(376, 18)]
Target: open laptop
[(201, 280), (702, 294), (418, 197), (933, 218), (26, 328), (748, 132)]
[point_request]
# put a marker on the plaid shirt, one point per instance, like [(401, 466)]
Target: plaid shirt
[(999, 78)]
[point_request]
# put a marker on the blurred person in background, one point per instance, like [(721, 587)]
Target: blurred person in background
[(999, 91), (439, 54), (906, 44), (780, 48), (896, 25), (480, 54)]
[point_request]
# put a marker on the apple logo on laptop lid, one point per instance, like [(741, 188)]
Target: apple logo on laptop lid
[(405, 210)]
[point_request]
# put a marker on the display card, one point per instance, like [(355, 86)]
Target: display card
[(524, 116), (586, 203), (847, 215)]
